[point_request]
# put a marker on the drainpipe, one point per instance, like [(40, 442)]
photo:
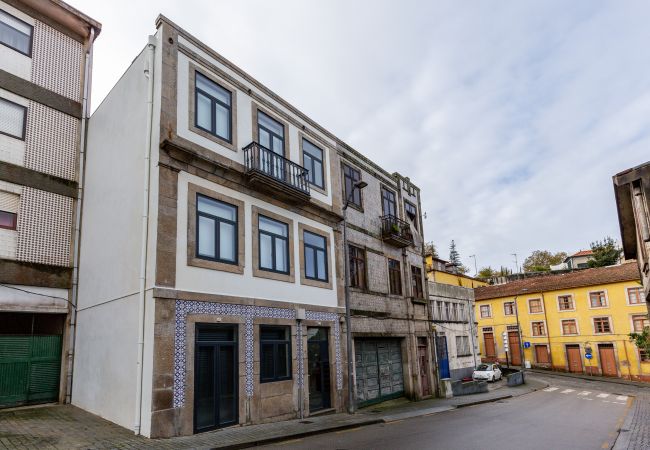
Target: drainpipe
[(148, 73), (77, 221)]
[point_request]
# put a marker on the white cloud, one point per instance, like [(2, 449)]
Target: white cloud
[(511, 116)]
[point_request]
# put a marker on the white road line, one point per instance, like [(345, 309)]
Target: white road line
[(567, 391), (551, 389), (602, 395), (622, 398), (607, 401), (585, 398), (620, 403), (585, 393)]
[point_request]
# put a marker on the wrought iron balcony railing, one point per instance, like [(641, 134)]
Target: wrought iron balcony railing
[(396, 231), (265, 165)]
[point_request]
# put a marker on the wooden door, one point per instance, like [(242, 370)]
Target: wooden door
[(488, 339), (515, 349), (607, 360), (541, 354), (574, 358), (424, 366)]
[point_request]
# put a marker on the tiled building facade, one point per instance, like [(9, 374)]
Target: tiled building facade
[(45, 60)]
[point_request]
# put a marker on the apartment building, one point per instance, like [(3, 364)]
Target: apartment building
[(575, 322), (45, 69), (632, 191), (211, 287)]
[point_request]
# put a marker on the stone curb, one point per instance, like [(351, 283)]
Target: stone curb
[(591, 378)]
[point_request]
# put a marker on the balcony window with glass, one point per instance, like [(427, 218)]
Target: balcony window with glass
[(312, 158), (213, 108), (315, 255), (357, 267), (412, 213), (275, 353), (273, 245), (216, 230), (15, 33), (394, 277), (270, 133), (416, 282), (388, 204), (351, 192)]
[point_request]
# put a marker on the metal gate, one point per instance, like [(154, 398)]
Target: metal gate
[(378, 364), (29, 369), (443, 357)]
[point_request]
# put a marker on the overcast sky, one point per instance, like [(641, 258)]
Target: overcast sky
[(511, 116)]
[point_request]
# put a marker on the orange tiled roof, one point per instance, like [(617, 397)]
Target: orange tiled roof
[(628, 271), (583, 253)]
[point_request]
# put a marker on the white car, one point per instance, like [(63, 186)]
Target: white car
[(487, 372)]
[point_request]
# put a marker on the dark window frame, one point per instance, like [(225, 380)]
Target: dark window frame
[(270, 132), (388, 201), (571, 323), (357, 265), (273, 237), (316, 250), (351, 176), (394, 277), (213, 101), (408, 205), (311, 169), (31, 36), (276, 343), (540, 326), (24, 131), (217, 228), (416, 282), (601, 296), (14, 217)]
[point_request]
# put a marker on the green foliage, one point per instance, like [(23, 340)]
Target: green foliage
[(641, 340), (504, 272), (606, 253), (486, 273), (454, 256), (430, 249), (542, 260)]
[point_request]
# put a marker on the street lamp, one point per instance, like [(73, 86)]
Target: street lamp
[(351, 403)]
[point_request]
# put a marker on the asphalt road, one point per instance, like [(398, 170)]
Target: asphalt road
[(570, 414)]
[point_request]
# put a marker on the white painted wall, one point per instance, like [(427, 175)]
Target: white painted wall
[(11, 60), (50, 300), (12, 150), (212, 281), (244, 120)]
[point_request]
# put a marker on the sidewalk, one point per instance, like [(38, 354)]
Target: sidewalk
[(590, 377), (66, 427)]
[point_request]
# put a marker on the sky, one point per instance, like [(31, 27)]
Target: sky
[(511, 116)]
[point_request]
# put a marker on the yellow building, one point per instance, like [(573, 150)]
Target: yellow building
[(441, 271), (566, 317)]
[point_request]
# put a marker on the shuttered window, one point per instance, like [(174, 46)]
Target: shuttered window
[(12, 119), (9, 204)]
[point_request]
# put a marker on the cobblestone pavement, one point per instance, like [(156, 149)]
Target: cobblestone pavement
[(635, 432), (68, 427)]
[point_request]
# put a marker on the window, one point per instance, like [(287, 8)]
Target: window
[(357, 267), (486, 311), (597, 299), (9, 204), (351, 194), (12, 118), (213, 108), (312, 158), (602, 325), (388, 205), (461, 312), (509, 308), (454, 312), (639, 322), (569, 326), (394, 277), (270, 133), (635, 295), (538, 329), (411, 213), (565, 302), (274, 245), (535, 306), (438, 310), (315, 256), (16, 34), (8, 220), (275, 353), (462, 346), (216, 230), (447, 311), (416, 282)]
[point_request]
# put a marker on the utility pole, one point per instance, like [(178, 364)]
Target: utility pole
[(475, 267), (516, 262)]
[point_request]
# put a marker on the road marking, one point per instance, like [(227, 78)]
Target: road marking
[(605, 445), (567, 391), (585, 398), (551, 389), (622, 398), (292, 441), (394, 421), (348, 430), (585, 393), (602, 395)]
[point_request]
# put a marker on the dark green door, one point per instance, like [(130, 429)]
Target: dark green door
[(29, 369)]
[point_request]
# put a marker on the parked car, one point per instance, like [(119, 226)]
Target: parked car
[(489, 372)]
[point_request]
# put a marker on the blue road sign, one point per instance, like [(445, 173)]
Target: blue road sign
[(526, 344), (588, 355)]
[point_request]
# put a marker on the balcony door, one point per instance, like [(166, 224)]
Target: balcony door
[(270, 133), (388, 204)]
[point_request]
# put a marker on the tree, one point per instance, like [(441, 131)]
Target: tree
[(454, 257), (641, 340), (486, 273), (430, 249), (606, 253), (542, 260), (503, 272)]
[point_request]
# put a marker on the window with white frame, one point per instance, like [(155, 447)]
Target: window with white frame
[(486, 311), (635, 295), (15, 34), (565, 302), (639, 322), (569, 326), (509, 308), (462, 346), (535, 306), (597, 299), (538, 329), (602, 325), (12, 119)]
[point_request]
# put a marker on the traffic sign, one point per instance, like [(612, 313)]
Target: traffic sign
[(588, 355), (526, 344)]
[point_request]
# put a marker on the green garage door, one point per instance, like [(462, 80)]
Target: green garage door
[(378, 370), (29, 369)]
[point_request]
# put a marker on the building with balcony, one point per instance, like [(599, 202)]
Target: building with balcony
[(45, 68), (573, 322), (212, 285), (632, 190)]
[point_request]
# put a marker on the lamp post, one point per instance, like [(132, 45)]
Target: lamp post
[(348, 335)]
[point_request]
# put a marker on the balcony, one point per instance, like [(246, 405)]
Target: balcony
[(396, 231), (275, 173)]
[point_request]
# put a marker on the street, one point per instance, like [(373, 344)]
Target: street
[(569, 414)]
